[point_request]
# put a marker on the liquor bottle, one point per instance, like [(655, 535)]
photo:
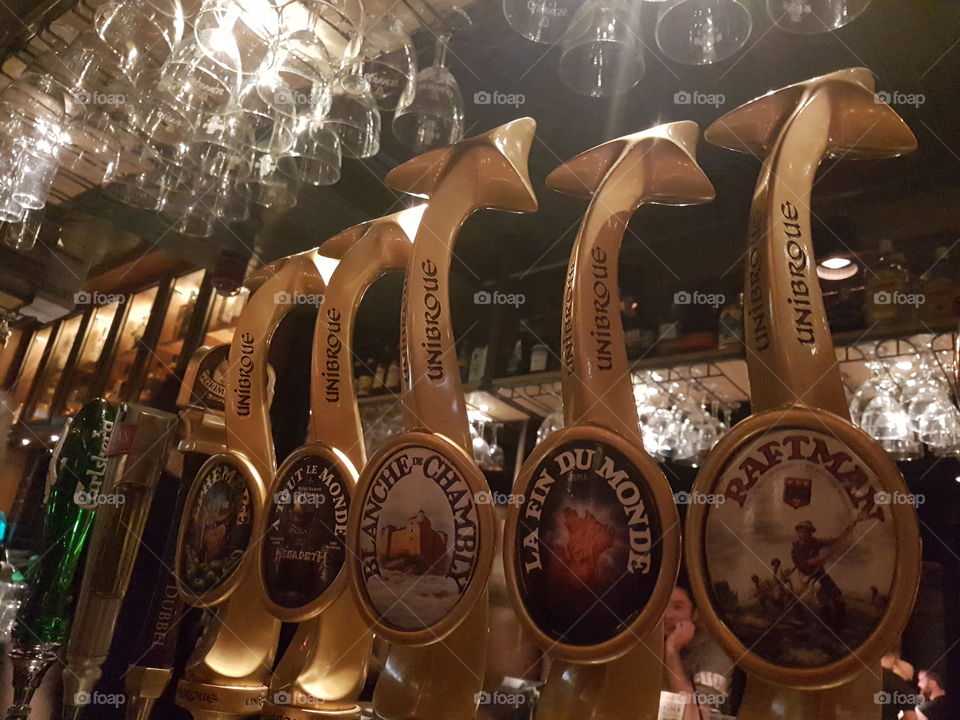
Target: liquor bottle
[(846, 314), (463, 359), (364, 376), (380, 376), (940, 289), (478, 365), (539, 357), (730, 333), (77, 471), (392, 380), (886, 288), (517, 361)]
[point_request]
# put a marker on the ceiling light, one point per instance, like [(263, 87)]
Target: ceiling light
[(837, 268), (836, 263)]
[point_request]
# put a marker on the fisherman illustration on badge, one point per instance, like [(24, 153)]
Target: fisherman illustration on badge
[(586, 531), (418, 538), (219, 528), (801, 551), (307, 523)]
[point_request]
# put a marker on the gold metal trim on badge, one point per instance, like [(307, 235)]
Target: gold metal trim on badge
[(906, 568), (348, 474), (226, 587), (670, 541), (486, 540)]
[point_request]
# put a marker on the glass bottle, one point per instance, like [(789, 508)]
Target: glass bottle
[(940, 289), (886, 300)]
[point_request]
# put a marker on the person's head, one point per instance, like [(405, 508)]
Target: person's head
[(930, 683), (805, 530), (680, 608)]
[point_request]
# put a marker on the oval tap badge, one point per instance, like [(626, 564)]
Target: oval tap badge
[(801, 553), (421, 543), (303, 547), (216, 530), (585, 550)]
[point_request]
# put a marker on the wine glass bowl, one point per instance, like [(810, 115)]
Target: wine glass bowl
[(807, 17), (702, 32), (601, 51)]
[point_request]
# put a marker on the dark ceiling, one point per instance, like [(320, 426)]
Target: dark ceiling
[(912, 46)]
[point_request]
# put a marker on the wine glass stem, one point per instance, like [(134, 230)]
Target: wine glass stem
[(440, 54)]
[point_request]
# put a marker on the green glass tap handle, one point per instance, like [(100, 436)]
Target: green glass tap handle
[(78, 480)]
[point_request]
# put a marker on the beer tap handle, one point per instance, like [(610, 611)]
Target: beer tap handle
[(655, 166), (790, 355)]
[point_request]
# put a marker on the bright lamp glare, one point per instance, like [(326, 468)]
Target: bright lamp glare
[(837, 263), (837, 268)]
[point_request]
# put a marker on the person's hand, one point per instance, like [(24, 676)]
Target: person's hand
[(680, 637)]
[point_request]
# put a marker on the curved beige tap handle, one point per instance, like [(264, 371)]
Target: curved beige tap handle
[(368, 251), (327, 658), (440, 681), (247, 402), (655, 166), (486, 171), (790, 355), (233, 659)]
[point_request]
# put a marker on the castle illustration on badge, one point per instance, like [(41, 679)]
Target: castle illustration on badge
[(418, 538)]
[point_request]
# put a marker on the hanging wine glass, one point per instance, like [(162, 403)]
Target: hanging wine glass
[(807, 17), (327, 27), (198, 81), (22, 235), (353, 115), (481, 448), (315, 155), (267, 103), (142, 33), (497, 457), (389, 63), (542, 21), (702, 32), (551, 423), (267, 186), (434, 116), (602, 53), (253, 26)]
